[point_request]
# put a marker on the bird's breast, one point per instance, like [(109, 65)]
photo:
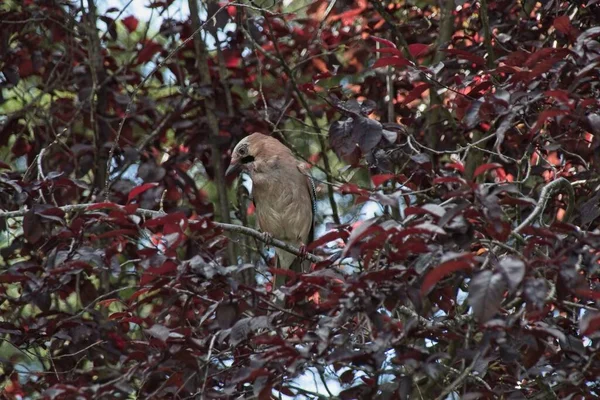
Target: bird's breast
[(283, 209)]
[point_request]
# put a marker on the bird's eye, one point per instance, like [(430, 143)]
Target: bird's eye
[(244, 155)]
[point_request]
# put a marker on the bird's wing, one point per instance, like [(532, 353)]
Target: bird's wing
[(310, 182), (297, 264), (313, 203)]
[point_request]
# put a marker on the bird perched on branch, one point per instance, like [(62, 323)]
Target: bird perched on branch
[(283, 193)]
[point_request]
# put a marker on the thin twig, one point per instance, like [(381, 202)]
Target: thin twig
[(459, 379), (210, 349), (546, 193), (487, 32), (470, 376)]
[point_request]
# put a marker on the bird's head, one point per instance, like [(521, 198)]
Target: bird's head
[(257, 149), (244, 153)]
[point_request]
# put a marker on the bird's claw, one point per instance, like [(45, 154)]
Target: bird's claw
[(303, 251), (267, 238)]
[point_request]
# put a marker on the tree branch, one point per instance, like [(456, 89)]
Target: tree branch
[(459, 379), (487, 32), (213, 123), (389, 19), (155, 214), (98, 97), (429, 324), (547, 192)]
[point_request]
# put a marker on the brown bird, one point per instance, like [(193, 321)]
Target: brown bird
[(284, 195)]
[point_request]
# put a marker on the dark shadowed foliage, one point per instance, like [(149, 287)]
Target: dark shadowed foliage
[(454, 146)]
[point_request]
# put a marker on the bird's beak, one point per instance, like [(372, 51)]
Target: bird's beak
[(234, 167)]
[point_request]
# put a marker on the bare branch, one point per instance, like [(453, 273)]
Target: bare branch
[(459, 379), (547, 192)]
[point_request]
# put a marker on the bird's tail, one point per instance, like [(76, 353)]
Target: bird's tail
[(292, 262), (300, 266)]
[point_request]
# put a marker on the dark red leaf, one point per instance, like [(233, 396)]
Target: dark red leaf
[(283, 272), (588, 294), (560, 95), (416, 92), (107, 204), (562, 24), (457, 166), (352, 188), (328, 237), (383, 42), (390, 50), (421, 211), (118, 315), (131, 23), (137, 294), (178, 218), (21, 146), (140, 189), (32, 227), (130, 209), (322, 75), (417, 49), (484, 168), (11, 278), (158, 3), (544, 66), (381, 276), (286, 391), (71, 266), (365, 228), (445, 269), (153, 273), (347, 377), (544, 54), (480, 89), (544, 115), (108, 302), (479, 61), (149, 49), (307, 88), (369, 381), (378, 180), (392, 61)]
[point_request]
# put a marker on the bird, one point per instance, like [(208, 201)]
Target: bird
[(283, 193)]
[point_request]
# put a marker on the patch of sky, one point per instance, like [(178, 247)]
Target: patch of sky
[(461, 296)]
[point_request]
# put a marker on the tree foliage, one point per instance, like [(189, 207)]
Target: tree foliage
[(470, 127)]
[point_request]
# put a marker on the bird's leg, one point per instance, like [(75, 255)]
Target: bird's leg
[(267, 238), (303, 251)]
